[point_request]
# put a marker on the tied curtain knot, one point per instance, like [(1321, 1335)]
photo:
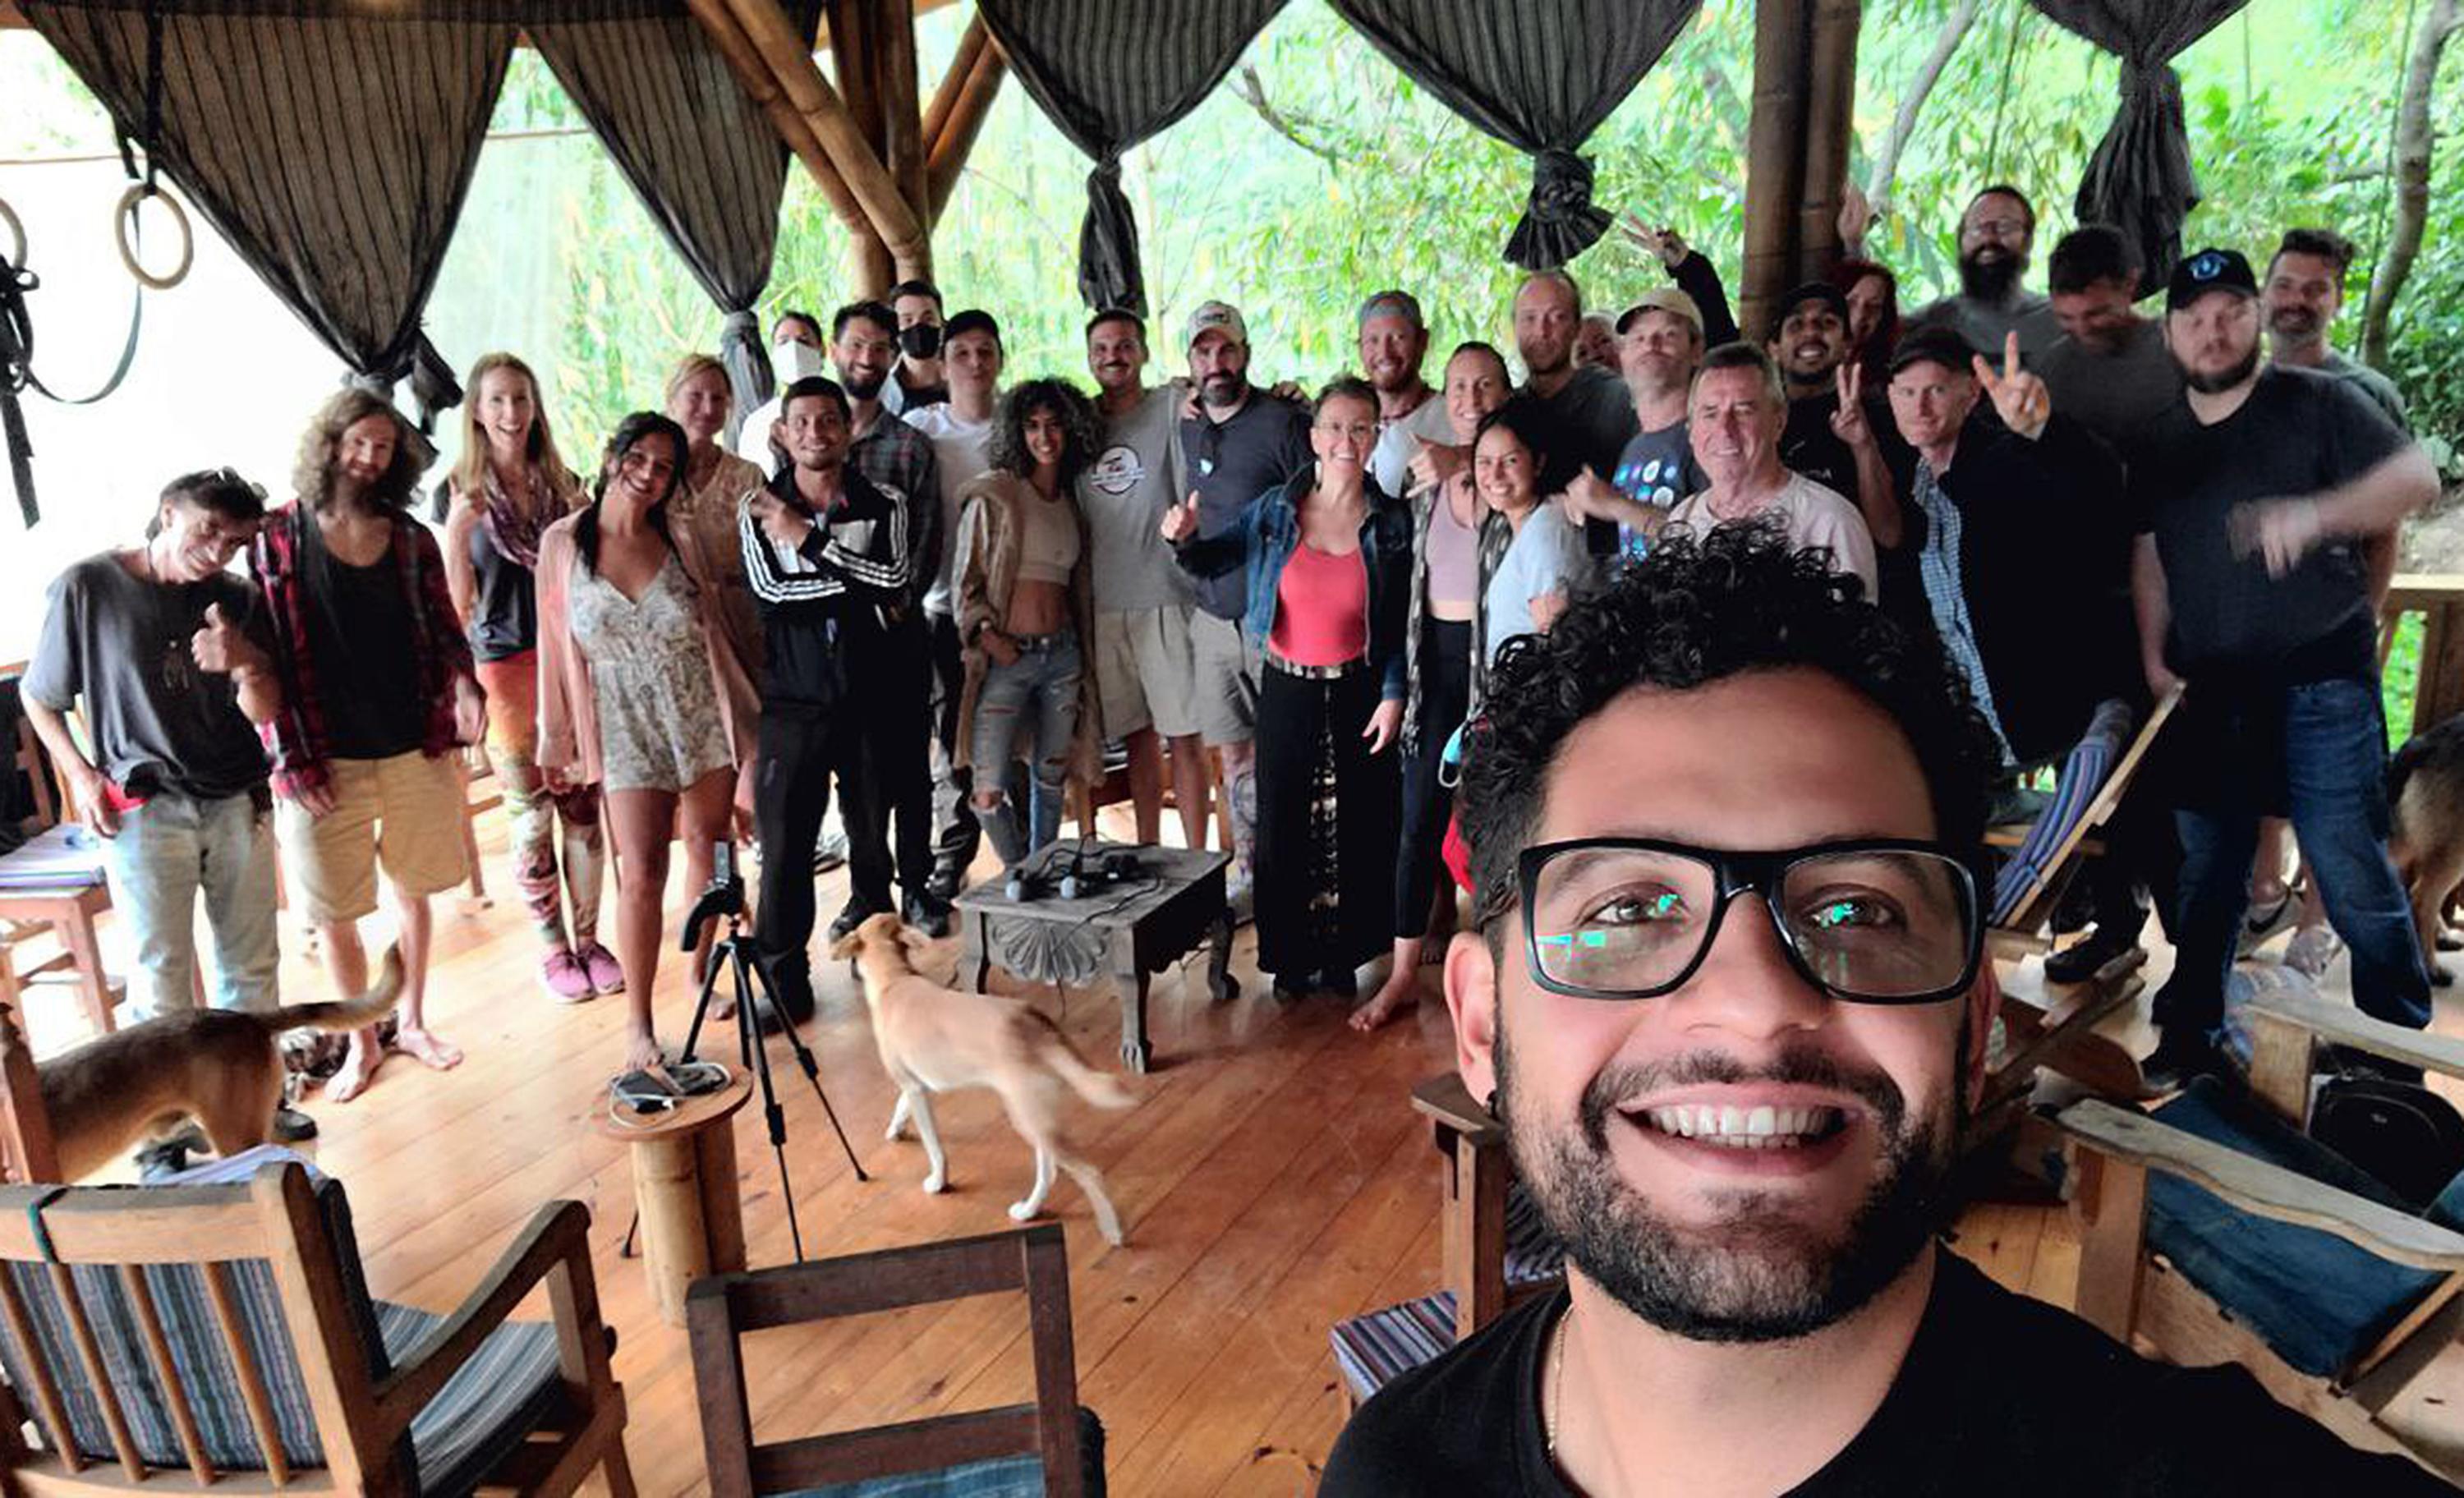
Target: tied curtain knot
[(1560, 221), (1109, 274), (748, 364)]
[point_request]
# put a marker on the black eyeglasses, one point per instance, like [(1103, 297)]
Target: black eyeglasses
[(1874, 920)]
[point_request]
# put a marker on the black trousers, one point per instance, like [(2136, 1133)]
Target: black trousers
[(1326, 823), (958, 835), (801, 750), (889, 704), (1445, 697)]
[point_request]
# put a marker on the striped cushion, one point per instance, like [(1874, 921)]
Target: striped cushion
[(481, 1413), (1001, 1477), (1372, 1349), (1531, 1256), (2083, 775)]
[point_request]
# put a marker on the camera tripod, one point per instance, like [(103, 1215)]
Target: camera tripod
[(724, 900)]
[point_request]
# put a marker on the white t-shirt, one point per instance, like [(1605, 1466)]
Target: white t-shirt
[(753, 438), (961, 452), (1810, 514), (1390, 461), (1547, 556)]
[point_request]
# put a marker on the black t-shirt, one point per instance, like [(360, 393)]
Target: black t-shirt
[(362, 630), (1585, 424), (1998, 1395), (1263, 444), (2298, 432)]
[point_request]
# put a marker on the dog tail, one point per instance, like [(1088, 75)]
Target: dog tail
[(345, 1014), (1099, 1088)]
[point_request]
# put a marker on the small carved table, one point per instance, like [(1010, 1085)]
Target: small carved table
[(684, 1186), (1131, 929)]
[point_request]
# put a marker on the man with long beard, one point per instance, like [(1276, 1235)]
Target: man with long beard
[(1739, 1115), (2257, 495), (1995, 235)]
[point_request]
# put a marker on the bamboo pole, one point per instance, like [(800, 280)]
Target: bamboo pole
[(813, 99), (1831, 99), (971, 46), (855, 45), (762, 88), (947, 152), (894, 86), (1775, 157)]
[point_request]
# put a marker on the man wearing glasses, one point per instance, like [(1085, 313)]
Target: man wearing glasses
[(1995, 238), (1732, 1014)]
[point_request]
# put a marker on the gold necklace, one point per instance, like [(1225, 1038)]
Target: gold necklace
[(1557, 1379)]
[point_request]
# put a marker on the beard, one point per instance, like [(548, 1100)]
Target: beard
[(2224, 380), (1982, 279), (2295, 325), (1763, 1274), (865, 388), (1223, 389)]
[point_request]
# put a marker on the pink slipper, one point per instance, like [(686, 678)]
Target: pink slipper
[(607, 973), (564, 978)]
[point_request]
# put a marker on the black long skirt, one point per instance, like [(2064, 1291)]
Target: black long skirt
[(1326, 814)]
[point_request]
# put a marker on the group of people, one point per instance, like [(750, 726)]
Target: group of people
[(945, 595)]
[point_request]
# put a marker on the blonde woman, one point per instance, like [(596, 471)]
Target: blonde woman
[(508, 488)]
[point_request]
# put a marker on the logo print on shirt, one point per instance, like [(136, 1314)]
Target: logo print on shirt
[(1118, 471)]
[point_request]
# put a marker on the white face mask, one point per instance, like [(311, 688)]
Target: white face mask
[(796, 361)]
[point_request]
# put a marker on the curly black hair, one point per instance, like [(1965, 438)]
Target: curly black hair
[(1009, 452), (1697, 610)]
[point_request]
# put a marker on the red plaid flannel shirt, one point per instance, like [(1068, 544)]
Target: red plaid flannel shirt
[(296, 737)]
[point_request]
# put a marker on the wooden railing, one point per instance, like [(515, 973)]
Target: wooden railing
[(2440, 598)]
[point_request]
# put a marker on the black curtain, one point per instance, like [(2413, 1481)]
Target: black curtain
[(1110, 73), (697, 151), (2140, 178), (331, 143), (1539, 75)]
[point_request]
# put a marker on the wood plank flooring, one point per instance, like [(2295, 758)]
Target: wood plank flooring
[(1272, 1175)]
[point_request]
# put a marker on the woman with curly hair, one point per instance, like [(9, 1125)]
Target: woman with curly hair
[(378, 693), (634, 678), (1025, 613), (507, 487), (1328, 563)]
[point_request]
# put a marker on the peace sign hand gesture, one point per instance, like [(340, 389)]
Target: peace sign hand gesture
[(2019, 398), (1848, 423)]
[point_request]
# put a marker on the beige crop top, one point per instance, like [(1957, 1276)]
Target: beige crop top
[(1047, 543)]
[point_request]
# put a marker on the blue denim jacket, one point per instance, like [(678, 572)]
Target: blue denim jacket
[(1262, 539)]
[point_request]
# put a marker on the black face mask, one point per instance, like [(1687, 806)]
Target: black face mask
[(921, 340)]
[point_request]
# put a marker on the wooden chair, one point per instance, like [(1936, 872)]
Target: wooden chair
[(226, 1330), (1496, 1255), (2052, 1029), (67, 911), (26, 1150), (995, 1451), (2213, 1234)]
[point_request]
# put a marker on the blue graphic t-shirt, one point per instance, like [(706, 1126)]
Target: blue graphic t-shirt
[(1657, 468)]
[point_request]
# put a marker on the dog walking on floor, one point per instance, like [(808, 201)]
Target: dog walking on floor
[(934, 1039), (220, 1066)]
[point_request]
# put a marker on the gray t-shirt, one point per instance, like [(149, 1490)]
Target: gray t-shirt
[(2381, 389), (1264, 445), (1390, 462), (1985, 324), (154, 722), (1546, 556), (1586, 424), (1124, 493), (2113, 395)]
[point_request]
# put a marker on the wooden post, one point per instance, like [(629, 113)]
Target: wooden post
[(26, 1138), (762, 86), (826, 114), (1775, 159), (947, 149), (1830, 106)]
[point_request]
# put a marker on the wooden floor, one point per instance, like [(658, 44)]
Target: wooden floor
[(1273, 1177)]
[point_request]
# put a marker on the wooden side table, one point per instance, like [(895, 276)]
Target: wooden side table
[(684, 1186)]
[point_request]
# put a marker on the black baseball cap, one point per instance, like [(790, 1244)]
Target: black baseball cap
[(1944, 346), (2206, 270), (1823, 291)]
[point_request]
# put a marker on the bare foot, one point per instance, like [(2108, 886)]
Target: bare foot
[(1390, 996), (359, 1069), (433, 1051)]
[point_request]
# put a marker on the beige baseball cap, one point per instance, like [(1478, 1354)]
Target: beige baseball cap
[(1663, 299), (1216, 317)]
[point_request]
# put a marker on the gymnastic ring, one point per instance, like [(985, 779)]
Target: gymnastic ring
[(15, 258), (126, 216)]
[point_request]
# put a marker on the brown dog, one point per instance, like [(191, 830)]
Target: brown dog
[(220, 1066), (934, 1039), (2426, 806)]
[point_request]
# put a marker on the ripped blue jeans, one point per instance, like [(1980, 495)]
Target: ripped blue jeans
[(1027, 710)]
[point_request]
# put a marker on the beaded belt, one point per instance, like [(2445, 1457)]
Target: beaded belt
[(1292, 668)]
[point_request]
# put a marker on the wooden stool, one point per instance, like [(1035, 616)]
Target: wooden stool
[(684, 1186)]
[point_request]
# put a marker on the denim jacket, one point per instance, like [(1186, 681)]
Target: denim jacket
[(1262, 539)]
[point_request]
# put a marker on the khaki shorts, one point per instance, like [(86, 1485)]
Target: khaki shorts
[(404, 812), (1227, 679), (1145, 671)]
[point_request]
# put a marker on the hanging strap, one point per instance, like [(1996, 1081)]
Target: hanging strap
[(35, 1210)]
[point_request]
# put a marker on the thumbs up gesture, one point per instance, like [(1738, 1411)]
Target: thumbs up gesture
[(1180, 521), (2019, 398), (220, 648)]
